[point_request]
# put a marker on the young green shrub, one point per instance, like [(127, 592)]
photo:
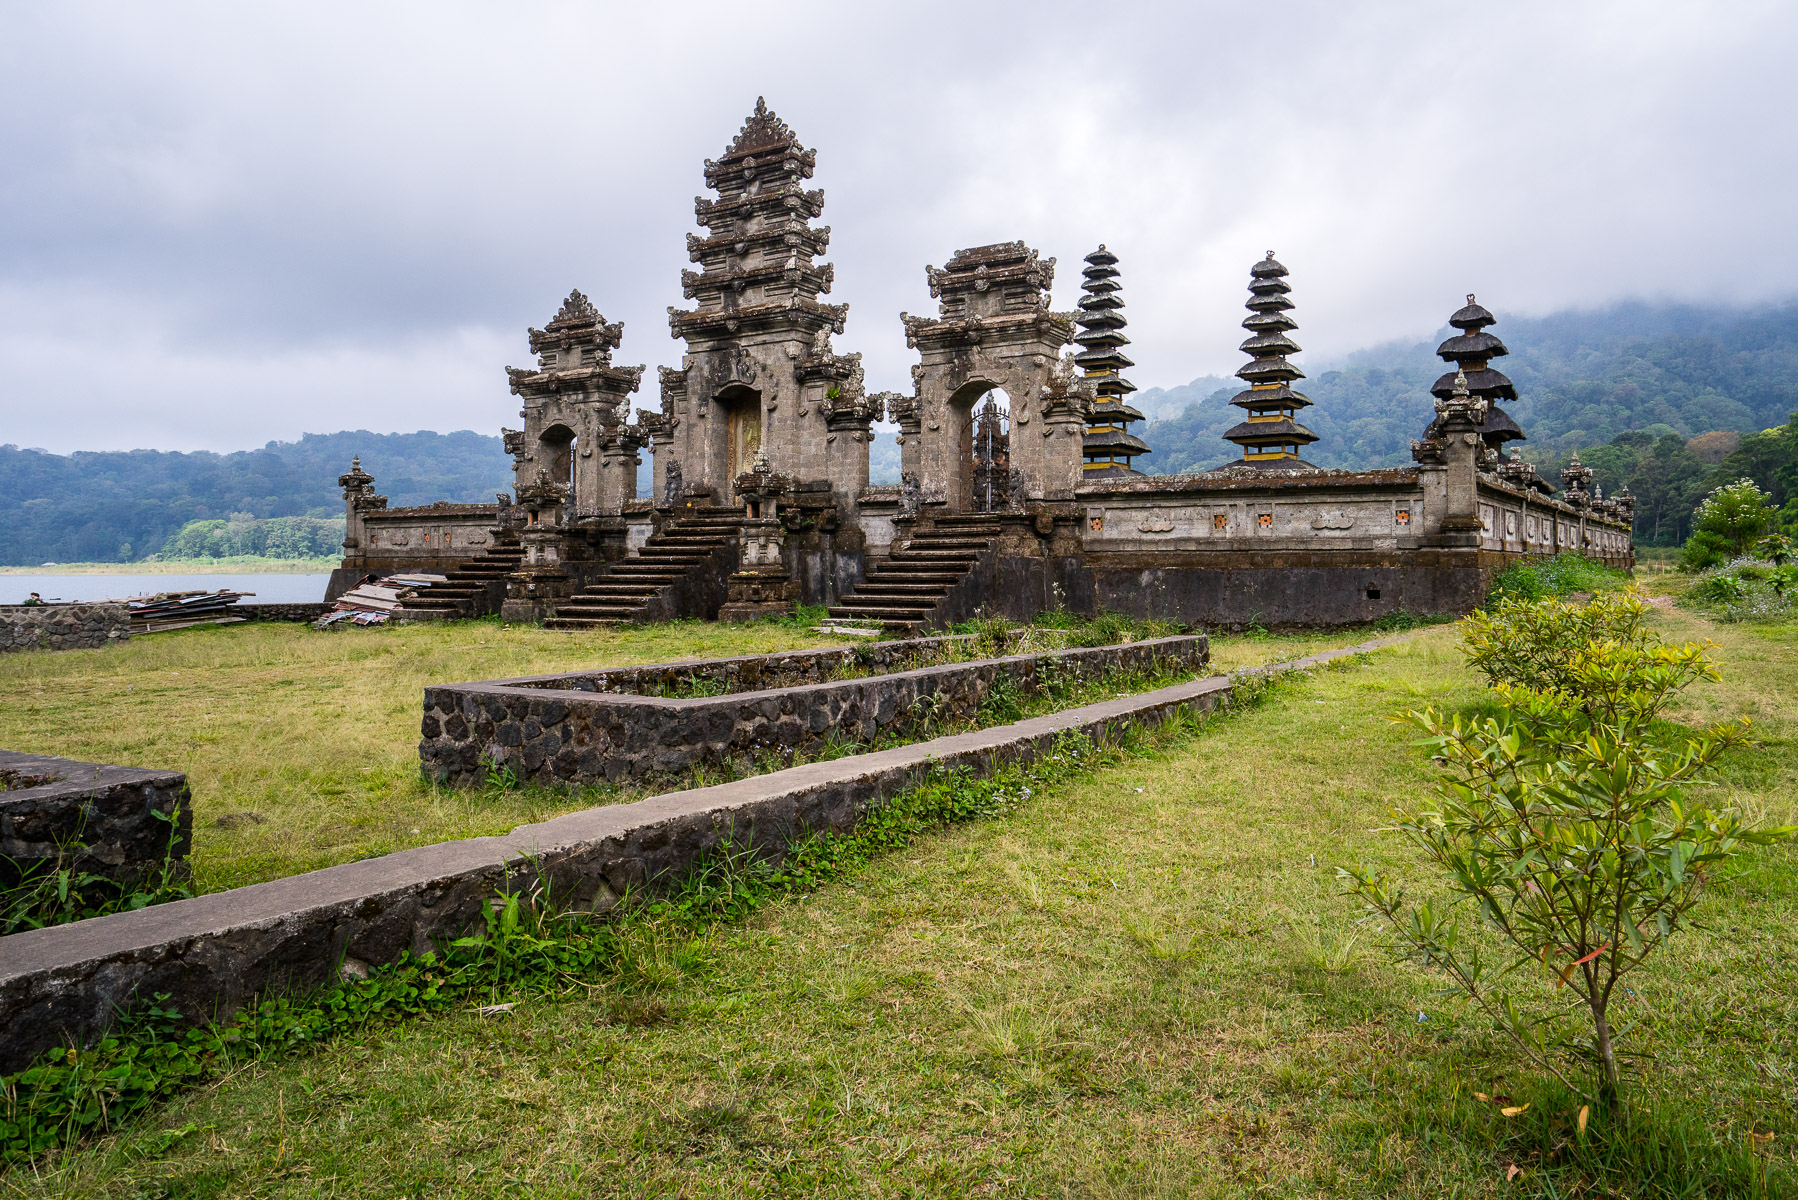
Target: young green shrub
[(1727, 523), (1534, 643), (1537, 579), (1565, 822)]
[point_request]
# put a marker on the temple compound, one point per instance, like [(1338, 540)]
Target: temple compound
[(1019, 491)]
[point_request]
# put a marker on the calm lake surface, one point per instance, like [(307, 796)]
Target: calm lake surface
[(269, 589)]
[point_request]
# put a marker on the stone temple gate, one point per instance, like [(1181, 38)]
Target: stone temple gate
[(761, 495)]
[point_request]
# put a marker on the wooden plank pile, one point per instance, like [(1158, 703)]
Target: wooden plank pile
[(163, 611), (373, 601)]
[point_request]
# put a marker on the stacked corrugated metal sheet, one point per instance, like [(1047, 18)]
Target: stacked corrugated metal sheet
[(180, 610)]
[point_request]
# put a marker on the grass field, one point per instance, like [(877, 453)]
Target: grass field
[(1145, 982), (302, 746)]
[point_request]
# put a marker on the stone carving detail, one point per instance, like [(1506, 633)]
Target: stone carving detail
[(911, 495), (674, 491), (1332, 519)]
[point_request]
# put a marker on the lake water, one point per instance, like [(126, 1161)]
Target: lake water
[(269, 589)]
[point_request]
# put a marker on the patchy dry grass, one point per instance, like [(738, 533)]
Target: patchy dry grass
[(1144, 983), (302, 746)]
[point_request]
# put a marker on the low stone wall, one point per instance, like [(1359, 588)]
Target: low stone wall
[(62, 626), (550, 733), (279, 612), (123, 819), (214, 953)]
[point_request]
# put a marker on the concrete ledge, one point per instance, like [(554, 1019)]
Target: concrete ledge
[(213, 953)]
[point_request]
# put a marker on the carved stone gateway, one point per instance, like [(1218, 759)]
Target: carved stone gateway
[(994, 329)]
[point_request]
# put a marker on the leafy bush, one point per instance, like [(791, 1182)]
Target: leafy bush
[(1745, 590), (1537, 644), (1563, 818), (1538, 578), (1727, 524)]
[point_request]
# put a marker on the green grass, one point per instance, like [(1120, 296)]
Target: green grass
[(1141, 981)]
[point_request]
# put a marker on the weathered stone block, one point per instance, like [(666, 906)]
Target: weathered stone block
[(114, 821)]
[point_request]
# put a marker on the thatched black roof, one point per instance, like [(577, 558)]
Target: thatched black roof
[(1484, 382), (1112, 441), (1283, 430), (1274, 397), (1472, 316)]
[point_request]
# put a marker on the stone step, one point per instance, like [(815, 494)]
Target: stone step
[(904, 617), (569, 624), (881, 600), (895, 588)]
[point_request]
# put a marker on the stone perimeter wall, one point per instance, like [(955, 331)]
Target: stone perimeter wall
[(746, 673), (62, 626), (569, 736), (121, 817)]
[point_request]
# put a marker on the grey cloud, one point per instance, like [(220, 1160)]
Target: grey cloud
[(225, 224)]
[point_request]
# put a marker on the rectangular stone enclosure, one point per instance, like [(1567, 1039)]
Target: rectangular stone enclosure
[(593, 727), (114, 821)]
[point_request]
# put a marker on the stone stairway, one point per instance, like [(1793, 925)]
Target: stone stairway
[(679, 572), (467, 592), (921, 584)]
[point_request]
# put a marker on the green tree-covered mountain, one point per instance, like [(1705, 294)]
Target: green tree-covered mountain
[(121, 506)]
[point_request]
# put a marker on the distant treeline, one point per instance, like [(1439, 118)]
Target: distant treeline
[(265, 537), (124, 506)]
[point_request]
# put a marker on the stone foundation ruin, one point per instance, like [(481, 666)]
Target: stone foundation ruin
[(761, 495)]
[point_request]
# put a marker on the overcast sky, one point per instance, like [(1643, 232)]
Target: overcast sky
[(224, 224)]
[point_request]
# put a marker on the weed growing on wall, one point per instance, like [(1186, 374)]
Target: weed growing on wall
[(54, 891), (1537, 579)]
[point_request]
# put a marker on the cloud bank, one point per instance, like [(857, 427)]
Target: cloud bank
[(221, 225)]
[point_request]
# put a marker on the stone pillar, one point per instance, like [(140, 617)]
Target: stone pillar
[(762, 585), (540, 583), (1458, 521), (903, 412), (848, 436), (1062, 414), (617, 471), (358, 498)]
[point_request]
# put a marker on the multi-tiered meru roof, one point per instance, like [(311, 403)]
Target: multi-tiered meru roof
[(757, 271), (1271, 439), (1108, 446), (1470, 353)]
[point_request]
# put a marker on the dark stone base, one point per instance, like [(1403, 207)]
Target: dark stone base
[(737, 611), (113, 821)]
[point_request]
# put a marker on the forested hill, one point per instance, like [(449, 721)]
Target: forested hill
[(1582, 378), (119, 506)]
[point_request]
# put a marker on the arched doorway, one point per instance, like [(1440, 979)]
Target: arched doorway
[(743, 424), (981, 417)]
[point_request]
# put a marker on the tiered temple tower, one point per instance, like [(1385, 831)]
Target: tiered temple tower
[(760, 379), (1470, 352), (1108, 447), (1271, 438)]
